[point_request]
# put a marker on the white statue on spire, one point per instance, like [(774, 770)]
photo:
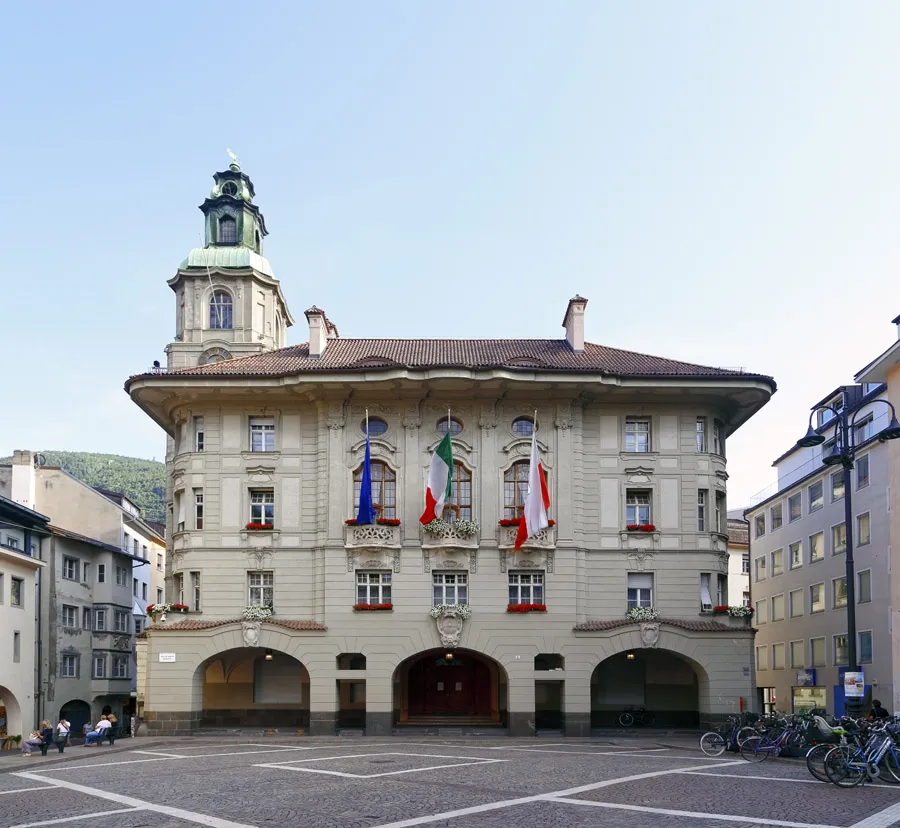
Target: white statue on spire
[(232, 156)]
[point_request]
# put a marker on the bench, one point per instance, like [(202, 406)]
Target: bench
[(111, 734), (45, 746)]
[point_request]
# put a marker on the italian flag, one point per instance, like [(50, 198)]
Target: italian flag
[(438, 490), (537, 500)]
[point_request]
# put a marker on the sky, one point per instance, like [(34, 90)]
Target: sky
[(721, 180)]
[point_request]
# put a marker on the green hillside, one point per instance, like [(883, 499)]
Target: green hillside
[(142, 481)]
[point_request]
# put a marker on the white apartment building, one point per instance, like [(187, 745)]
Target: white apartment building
[(299, 618), (738, 562)]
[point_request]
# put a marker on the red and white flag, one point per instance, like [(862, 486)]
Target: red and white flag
[(537, 501)]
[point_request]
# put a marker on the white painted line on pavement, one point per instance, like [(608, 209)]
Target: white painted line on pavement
[(617, 753), (160, 753), (80, 765), (387, 773), (61, 820), (524, 800), (22, 790), (883, 819), (746, 820), (778, 779), (477, 759), (132, 802)]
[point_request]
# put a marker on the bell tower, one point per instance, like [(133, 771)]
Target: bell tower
[(228, 302)]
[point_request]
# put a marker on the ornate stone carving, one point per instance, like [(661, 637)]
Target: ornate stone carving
[(396, 561), (426, 560), (257, 556), (563, 425), (487, 424), (723, 561), (335, 423), (351, 561), (177, 556), (449, 626), (649, 634), (449, 564), (503, 560), (473, 561), (372, 536), (121, 642), (250, 631), (549, 560), (545, 539), (639, 558)]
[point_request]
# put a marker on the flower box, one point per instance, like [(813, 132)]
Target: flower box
[(162, 609), (740, 612), (379, 522), (517, 521), (372, 607), (642, 614), (259, 527), (257, 612), (526, 608), (640, 527), (460, 528), (720, 609)]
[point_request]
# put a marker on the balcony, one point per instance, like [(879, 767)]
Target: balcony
[(543, 540), (371, 537), (450, 538)]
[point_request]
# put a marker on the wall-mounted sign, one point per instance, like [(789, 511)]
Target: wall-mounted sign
[(167, 658), (854, 685)]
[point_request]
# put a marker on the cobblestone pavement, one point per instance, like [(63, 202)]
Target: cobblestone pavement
[(404, 782)]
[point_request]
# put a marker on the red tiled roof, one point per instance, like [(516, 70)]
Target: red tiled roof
[(693, 626), (738, 535), (510, 354), (287, 623)]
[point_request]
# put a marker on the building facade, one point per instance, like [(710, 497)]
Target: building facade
[(798, 567), (738, 562), (22, 533), (298, 618)]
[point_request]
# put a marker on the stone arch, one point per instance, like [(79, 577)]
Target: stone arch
[(78, 714), (12, 713), (450, 686)]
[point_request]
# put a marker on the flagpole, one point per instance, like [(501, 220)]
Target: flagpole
[(448, 423), (367, 423)]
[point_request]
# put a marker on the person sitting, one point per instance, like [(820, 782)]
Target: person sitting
[(877, 711), (61, 735), (33, 741), (98, 733)]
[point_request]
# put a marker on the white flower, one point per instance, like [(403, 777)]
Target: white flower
[(257, 612), (436, 527), (740, 612), (161, 608), (467, 528), (642, 614), (462, 610)]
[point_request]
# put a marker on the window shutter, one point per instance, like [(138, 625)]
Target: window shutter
[(180, 497), (640, 580), (705, 598)]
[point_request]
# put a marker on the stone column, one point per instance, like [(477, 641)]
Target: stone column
[(577, 700), (520, 711), (379, 695), (323, 699)]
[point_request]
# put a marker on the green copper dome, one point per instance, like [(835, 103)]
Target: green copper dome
[(224, 257)]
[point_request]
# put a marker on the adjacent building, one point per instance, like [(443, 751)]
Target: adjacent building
[(297, 617), (738, 562)]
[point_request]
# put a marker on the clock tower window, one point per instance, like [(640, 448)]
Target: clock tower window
[(227, 230), (220, 311)]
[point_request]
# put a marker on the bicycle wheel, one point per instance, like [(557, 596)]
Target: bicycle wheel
[(815, 761), (712, 743), (754, 750), (745, 733), (626, 719), (839, 770), (890, 766)]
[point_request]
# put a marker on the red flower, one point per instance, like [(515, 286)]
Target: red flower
[(256, 527), (372, 607), (517, 521), (720, 608), (526, 608), (641, 527), (379, 521), (183, 607)]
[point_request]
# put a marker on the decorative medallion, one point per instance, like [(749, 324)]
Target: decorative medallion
[(649, 634), (449, 627), (250, 631)]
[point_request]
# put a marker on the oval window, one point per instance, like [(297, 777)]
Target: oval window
[(453, 424), (377, 426), (523, 426)]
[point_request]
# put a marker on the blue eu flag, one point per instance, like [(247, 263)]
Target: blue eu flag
[(366, 509)]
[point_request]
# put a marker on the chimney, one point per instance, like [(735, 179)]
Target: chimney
[(23, 478), (573, 322), (318, 331), (896, 321)]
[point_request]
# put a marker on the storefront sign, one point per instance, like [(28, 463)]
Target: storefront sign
[(854, 685), (167, 658)]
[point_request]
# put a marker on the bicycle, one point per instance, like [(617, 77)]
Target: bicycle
[(727, 737), (636, 715), (848, 766), (760, 748)]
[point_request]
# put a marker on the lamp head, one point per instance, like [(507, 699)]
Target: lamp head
[(834, 457), (269, 655), (891, 432), (810, 439), (630, 655)]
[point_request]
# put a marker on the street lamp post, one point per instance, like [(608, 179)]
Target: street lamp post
[(844, 454)]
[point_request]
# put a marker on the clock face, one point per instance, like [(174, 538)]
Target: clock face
[(229, 188)]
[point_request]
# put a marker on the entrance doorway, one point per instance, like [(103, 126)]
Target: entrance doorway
[(459, 687)]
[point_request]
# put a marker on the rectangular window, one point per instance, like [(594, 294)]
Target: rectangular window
[(816, 547), (260, 589), (180, 508), (101, 573), (762, 612), (138, 626), (795, 599), (864, 430), (776, 517), (99, 667), (121, 576), (762, 658), (721, 513), (134, 587), (526, 587), (778, 607), (838, 539), (795, 553), (86, 573), (69, 616), (159, 561), (817, 652), (144, 554), (119, 667), (798, 656), (85, 619), (11, 542), (120, 621), (862, 472), (195, 591), (862, 529), (721, 590), (637, 507), (817, 598), (69, 666), (640, 589), (760, 568), (745, 600), (262, 434), (841, 654), (705, 598), (637, 435), (199, 435), (143, 592), (718, 445), (778, 656), (839, 592), (262, 506), (777, 562), (178, 587), (837, 485), (17, 592), (2, 590), (816, 498), (70, 569), (864, 586), (100, 620), (17, 646), (374, 588), (795, 507), (159, 595), (702, 498), (701, 434), (198, 508), (450, 588), (759, 524), (864, 650), (135, 548), (745, 563)]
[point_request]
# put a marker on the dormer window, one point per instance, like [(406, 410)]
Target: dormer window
[(227, 230), (220, 308)]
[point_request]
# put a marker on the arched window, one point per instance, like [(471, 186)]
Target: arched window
[(460, 505), (377, 426), (227, 230), (523, 426), (515, 487), (454, 425), (384, 490), (229, 188), (220, 308)]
